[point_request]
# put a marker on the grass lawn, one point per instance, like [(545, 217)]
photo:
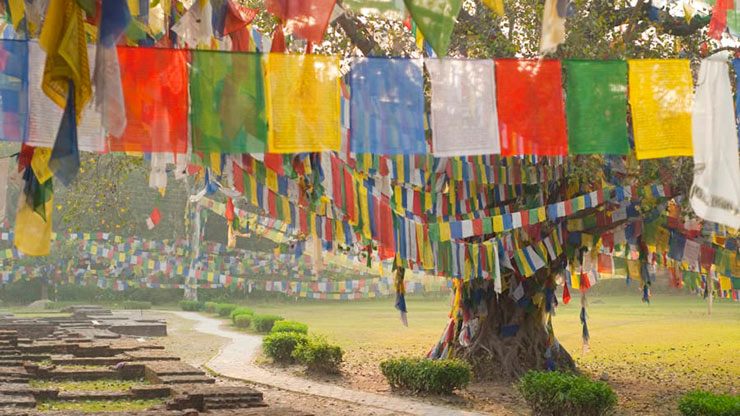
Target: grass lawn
[(99, 405), (88, 385), (651, 353)]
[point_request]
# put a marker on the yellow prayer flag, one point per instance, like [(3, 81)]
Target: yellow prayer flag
[(496, 5), (17, 11), (40, 164), (133, 7), (661, 96), (32, 232), (498, 224), (303, 103), (444, 231), (725, 283)]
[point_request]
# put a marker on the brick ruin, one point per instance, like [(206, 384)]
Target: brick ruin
[(96, 344)]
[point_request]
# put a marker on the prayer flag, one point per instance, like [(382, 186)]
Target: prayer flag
[(715, 193), (464, 118), (13, 90), (596, 107), (45, 116), (661, 99), (553, 26), (387, 106), (227, 103), (155, 87), (303, 103), (435, 19), (388, 9), (306, 19), (532, 121)]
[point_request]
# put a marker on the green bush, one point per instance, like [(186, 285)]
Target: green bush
[(264, 323), (289, 326), (190, 305), (225, 309), (211, 307), (240, 311), (318, 355), (702, 403), (243, 321), (280, 346), (428, 376), (136, 304), (555, 393)]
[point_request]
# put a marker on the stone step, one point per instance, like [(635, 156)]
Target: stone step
[(230, 405), (225, 391), (24, 401), (172, 368), (11, 389), (90, 360), (151, 391), (94, 395), (186, 379)]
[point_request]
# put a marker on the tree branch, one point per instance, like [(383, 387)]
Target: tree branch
[(354, 31)]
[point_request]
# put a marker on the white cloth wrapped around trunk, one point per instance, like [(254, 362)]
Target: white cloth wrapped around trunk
[(715, 193)]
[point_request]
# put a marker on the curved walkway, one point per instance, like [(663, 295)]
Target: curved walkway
[(235, 361)]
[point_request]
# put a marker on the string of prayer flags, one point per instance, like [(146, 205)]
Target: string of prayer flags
[(307, 19), (155, 86), (387, 106), (388, 9), (303, 104), (596, 104), (464, 118), (531, 117), (661, 96), (227, 103), (14, 90), (45, 116), (715, 193), (435, 19)]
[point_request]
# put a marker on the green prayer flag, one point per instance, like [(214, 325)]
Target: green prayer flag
[(227, 103), (596, 107), (388, 9), (435, 19)]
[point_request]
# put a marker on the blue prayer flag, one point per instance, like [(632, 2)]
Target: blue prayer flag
[(387, 106), (13, 90)]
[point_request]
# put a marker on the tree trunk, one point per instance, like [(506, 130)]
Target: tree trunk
[(494, 356), (44, 291)]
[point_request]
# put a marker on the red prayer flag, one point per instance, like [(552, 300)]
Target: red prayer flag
[(229, 209), (566, 294), (531, 115), (307, 19), (155, 90)]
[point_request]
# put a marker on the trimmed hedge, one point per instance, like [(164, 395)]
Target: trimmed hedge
[(289, 326), (136, 304), (280, 345), (190, 305), (211, 307), (555, 393), (243, 321), (224, 309), (240, 311), (702, 403), (318, 355), (264, 323), (428, 376)]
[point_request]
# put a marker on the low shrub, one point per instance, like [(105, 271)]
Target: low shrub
[(240, 311), (428, 376), (318, 355), (243, 321), (190, 305), (280, 345), (555, 393), (264, 323), (210, 307), (224, 309), (702, 403), (289, 326), (136, 304)]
